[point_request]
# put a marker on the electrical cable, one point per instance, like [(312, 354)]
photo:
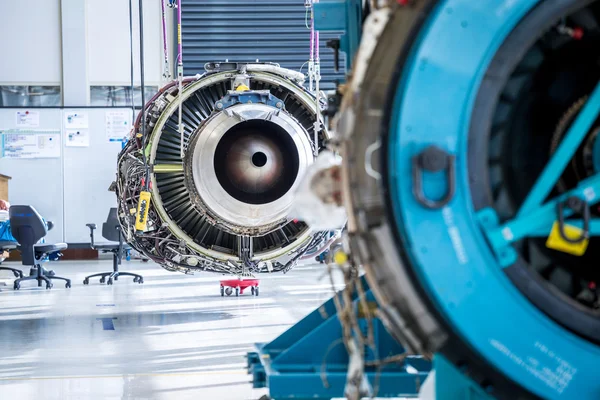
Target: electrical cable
[(143, 89), (166, 72), (131, 71)]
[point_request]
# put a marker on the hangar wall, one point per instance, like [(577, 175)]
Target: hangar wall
[(75, 46)]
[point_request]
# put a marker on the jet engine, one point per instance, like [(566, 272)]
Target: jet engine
[(222, 187)]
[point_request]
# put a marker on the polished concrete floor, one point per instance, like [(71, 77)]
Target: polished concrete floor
[(173, 337)]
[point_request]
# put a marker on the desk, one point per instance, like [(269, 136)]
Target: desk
[(4, 187)]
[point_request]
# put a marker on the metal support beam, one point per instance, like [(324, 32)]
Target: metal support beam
[(310, 361), (569, 145), (535, 221)]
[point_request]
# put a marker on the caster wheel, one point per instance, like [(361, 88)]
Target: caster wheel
[(252, 290), (17, 286), (256, 291), (116, 278), (68, 285), (135, 279), (86, 281), (49, 286), (102, 280), (109, 282), (16, 274), (145, 260), (228, 291), (222, 291), (237, 292), (140, 281)]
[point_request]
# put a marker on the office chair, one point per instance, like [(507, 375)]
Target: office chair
[(28, 228), (8, 246), (111, 230)]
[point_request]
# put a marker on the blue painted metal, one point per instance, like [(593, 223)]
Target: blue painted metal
[(248, 96), (538, 220), (309, 361), (452, 384), (568, 146), (448, 250), (596, 154), (545, 230), (321, 257), (341, 15)]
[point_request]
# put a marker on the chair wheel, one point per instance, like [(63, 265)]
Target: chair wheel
[(86, 281), (68, 285), (252, 290), (17, 286), (256, 291), (16, 274), (135, 279), (102, 280), (228, 291), (109, 282), (49, 285), (116, 278), (237, 291), (140, 281), (222, 291)]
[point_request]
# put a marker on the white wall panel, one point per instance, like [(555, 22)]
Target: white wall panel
[(30, 42)]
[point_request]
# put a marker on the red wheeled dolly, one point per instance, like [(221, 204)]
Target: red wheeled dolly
[(229, 286)]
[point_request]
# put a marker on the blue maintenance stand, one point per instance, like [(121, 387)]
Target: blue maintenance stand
[(452, 384), (310, 361)]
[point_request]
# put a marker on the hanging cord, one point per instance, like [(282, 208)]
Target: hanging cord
[(180, 76), (166, 70), (131, 65), (317, 77), (143, 93), (311, 59)]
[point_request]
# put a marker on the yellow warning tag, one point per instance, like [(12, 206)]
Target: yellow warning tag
[(556, 242), (141, 219)]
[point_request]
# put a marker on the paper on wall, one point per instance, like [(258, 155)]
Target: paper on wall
[(27, 119), (77, 137), (30, 144), (76, 119), (118, 125)]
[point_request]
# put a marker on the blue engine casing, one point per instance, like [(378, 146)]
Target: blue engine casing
[(442, 262)]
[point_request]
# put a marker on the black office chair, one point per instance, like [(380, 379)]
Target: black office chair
[(28, 228), (8, 246), (111, 230)]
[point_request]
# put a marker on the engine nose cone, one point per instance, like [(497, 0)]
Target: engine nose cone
[(243, 164), (256, 162)]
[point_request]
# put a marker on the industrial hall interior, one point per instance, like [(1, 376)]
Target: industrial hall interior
[(300, 199)]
